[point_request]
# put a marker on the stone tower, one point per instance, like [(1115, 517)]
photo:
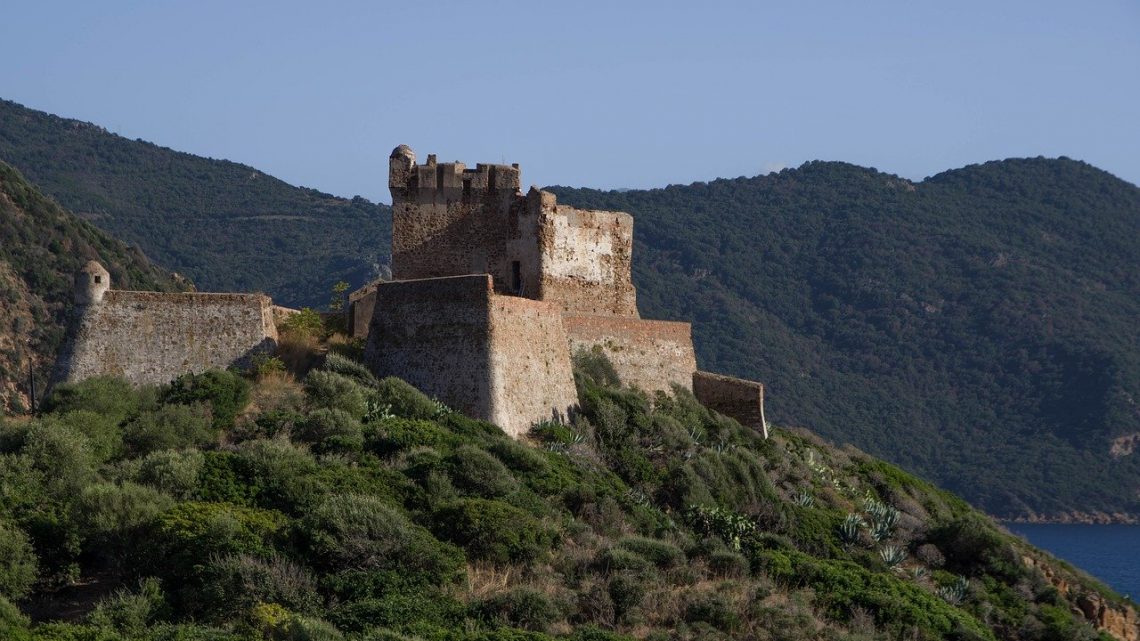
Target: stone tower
[(91, 283)]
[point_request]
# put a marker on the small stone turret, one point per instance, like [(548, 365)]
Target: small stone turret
[(91, 282)]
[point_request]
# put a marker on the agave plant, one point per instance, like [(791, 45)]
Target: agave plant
[(441, 409), (892, 555), (849, 529), (883, 519), (954, 593), (803, 499)]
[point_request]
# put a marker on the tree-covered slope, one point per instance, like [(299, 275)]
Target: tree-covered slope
[(981, 328), (226, 226), (360, 510), (41, 248)]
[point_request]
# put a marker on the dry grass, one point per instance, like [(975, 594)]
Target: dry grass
[(300, 352)]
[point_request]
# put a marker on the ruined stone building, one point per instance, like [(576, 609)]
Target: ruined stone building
[(494, 290), (154, 337)]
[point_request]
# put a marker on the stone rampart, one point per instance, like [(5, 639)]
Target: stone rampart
[(650, 354), (152, 337), (741, 399), (498, 358)]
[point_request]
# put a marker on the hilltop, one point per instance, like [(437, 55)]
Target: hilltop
[(43, 246), (977, 328), (351, 508), (227, 226)]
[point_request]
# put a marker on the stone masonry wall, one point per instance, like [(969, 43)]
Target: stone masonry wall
[(152, 338), (361, 303), (435, 335), (586, 259), (531, 376), (735, 397), (653, 355), (498, 358)]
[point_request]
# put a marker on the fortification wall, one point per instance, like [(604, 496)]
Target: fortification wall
[(650, 354), (435, 335), (741, 399), (531, 376), (151, 337), (448, 220), (361, 304), (586, 259), (501, 359)]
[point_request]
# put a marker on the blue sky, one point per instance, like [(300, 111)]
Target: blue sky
[(606, 94)]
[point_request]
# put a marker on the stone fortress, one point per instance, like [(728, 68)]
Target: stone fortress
[(492, 293)]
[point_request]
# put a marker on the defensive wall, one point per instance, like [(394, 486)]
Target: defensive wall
[(499, 358), (650, 354), (735, 397), (152, 337)]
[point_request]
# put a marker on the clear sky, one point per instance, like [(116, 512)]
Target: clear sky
[(598, 94)]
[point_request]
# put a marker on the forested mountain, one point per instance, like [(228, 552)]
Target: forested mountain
[(41, 248), (978, 327), (227, 226), (981, 328)]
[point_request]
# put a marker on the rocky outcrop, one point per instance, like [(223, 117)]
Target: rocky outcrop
[(1121, 621)]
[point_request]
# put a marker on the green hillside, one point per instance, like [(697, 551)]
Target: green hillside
[(352, 509), (227, 226), (979, 328), (41, 248)]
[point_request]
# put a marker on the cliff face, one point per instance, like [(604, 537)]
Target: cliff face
[(41, 248)]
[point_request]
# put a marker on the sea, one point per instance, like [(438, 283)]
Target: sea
[(1111, 553)]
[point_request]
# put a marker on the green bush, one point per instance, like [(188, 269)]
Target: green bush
[(359, 532), (521, 608), (112, 516), (233, 584), (18, 564), (405, 401), (281, 475), (189, 533), (474, 471), (594, 366), (61, 454), (727, 563), (662, 554), (226, 392), (129, 613), (400, 607), (714, 610), (305, 323), (170, 427), (394, 435), (492, 530), (102, 432), (971, 540), (347, 367), (336, 391), (112, 398), (13, 623), (331, 430), (172, 471), (614, 560)]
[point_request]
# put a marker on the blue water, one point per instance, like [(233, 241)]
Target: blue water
[(1111, 553)]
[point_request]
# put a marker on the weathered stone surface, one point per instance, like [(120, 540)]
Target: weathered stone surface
[(653, 355), (498, 358), (151, 337), (742, 400)]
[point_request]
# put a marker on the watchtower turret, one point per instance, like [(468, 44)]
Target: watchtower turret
[(91, 282)]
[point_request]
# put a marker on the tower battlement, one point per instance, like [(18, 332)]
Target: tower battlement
[(434, 181)]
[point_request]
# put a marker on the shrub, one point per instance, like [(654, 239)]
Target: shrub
[(225, 391), (112, 398), (236, 583), (492, 530), (191, 532), (521, 608), (175, 472), (616, 560), (62, 454), (594, 366), (359, 532), (520, 458), (263, 365), (129, 613), (170, 427), (401, 607), (474, 471), (727, 563), (714, 610), (347, 367), (331, 429), (306, 323), (17, 563), (335, 391), (280, 475), (112, 515), (13, 623), (405, 400), (662, 554), (102, 432), (397, 434)]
